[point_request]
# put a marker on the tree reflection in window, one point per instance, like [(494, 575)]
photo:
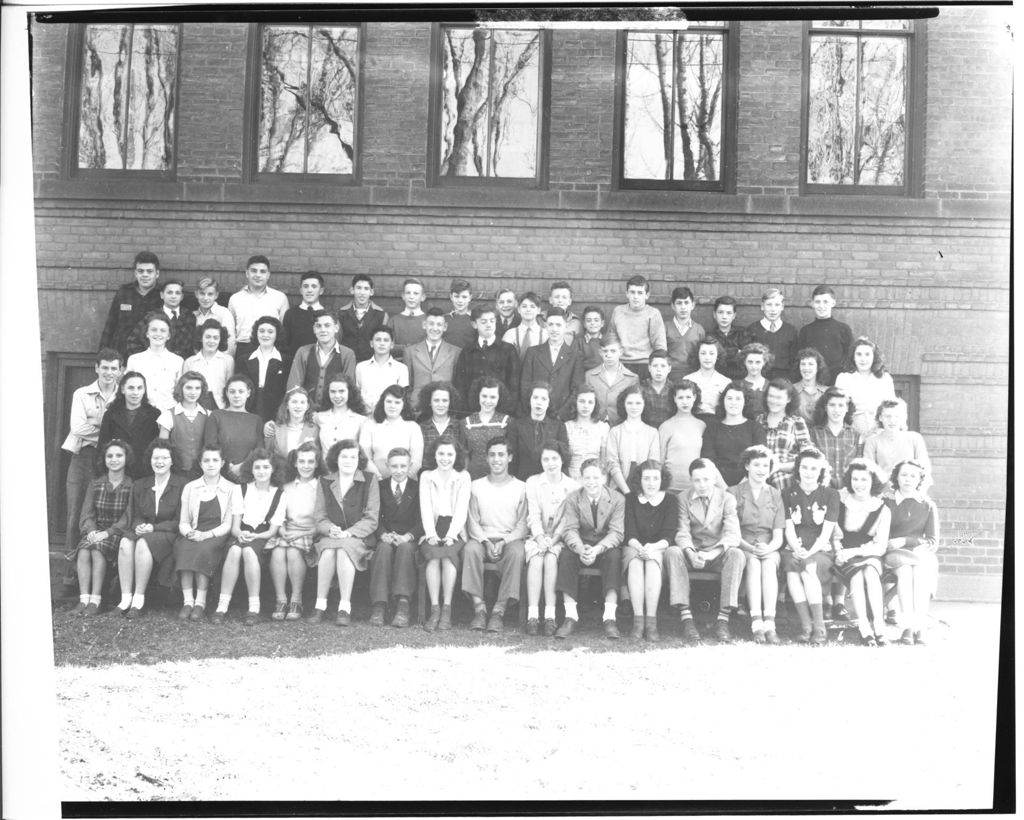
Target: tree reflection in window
[(857, 107), (128, 98), (490, 111), (308, 99), (673, 106)]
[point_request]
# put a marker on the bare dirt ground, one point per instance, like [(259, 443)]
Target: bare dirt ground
[(910, 724)]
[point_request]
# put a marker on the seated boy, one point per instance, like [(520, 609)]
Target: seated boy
[(777, 335), (560, 297), (408, 325), (460, 330), (181, 340), (683, 334), (658, 404), (610, 378), (708, 538), (496, 531), (315, 365), (393, 568), (131, 303), (831, 338), (487, 357), (360, 318), (297, 324), (637, 327)]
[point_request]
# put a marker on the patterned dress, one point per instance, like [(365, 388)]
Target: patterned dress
[(478, 433), (104, 509)]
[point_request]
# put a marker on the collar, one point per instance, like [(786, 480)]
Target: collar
[(248, 290), (374, 363), (683, 327), (407, 313), (272, 355), (767, 323), (179, 409), (916, 495), (94, 389), (169, 312), (399, 486), (484, 345), (654, 502), (307, 306), (351, 305), (315, 347)]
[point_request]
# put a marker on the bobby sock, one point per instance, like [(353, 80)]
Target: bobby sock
[(345, 606), (769, 624), (499, 609), (201, 598), (480, 607), (570, 611), (818, 616), (189, 597), (126, 601), (756, 625), (685, 614), (723, 613), (549, 612), (321, 604), (223, 602), (84, 597), (609, 612), (533, 612), (138, 600), (254, 603), (96, 599)]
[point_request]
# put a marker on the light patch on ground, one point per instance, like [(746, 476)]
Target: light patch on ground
[(913, 724)]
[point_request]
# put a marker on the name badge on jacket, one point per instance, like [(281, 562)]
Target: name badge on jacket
[(125, 307)]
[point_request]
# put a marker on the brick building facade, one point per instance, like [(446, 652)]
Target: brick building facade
[(926, 275)]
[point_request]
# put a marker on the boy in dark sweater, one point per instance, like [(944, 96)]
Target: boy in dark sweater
[(831, 338), (775, 334), (131, 303), (298, 321)]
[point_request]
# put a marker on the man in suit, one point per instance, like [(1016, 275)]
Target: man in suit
[(487, 357), (594, 528), (431, 360), (556, 363), (708, 538), (393, 568)]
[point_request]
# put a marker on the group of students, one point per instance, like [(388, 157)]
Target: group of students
[(536, 442)]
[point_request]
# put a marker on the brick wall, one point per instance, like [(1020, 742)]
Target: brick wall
[(926, 278)]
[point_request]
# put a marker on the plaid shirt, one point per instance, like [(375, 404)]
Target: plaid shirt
[(839, 450), (658, 407), (785, 441)]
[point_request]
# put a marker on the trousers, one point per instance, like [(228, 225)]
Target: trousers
[(510, 569), (567, 581), (392, 571), (730, 564)]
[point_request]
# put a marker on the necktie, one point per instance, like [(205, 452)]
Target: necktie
[(773, 325), (703, 507), (433, 353), (398, 494), (593, 512)]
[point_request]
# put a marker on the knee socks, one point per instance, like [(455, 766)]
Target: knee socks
[(818, 616)]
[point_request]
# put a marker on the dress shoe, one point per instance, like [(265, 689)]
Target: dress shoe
[(549, 627), (566, 629), (446, 618), (78, 608), (90, 610), (532, 626), (479, 620), (611, 629), (637, 630), (251, 618), (197, 613), (343, 619), (839, 613), (690, 633), (133, 613), (377, 615), (496, 623), (818, 636), (185, 613), (757, 635), (919, 638), (315, 617), (401, 619), (433, 619), (722, 634), (651, 628), (771, 637), (907, 638), (217, 617)]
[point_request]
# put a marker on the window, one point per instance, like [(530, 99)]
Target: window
[(306, 116), (857, 129), (676, 104), (127, 98), (490, 121)]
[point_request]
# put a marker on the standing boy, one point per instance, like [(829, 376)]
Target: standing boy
[(380, 370), (561, 297), (131, 303), (610, 378), (181, 340), (315, 365), (460, 321), (297, 325), (657, 391), (361, 318), (637, 327), (775, 334), (831, 338), (207, 292), (556, 363), (256, 299), (730, 336), (408, 325), (506, 304), (496, 532), (393, 567), (433, 359), (487, 357), (682, 334), (588, 343)]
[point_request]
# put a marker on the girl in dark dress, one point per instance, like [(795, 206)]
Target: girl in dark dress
[(103, 521), (732, 432), (131, 418), (266, 397), (526, 436), (149, 542), (652, 516), (234, 431), (860, 541)]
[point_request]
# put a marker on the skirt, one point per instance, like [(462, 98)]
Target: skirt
[(161, 544), (203, 557), (629, 554), (452, 552), (821, 561), (304, 543), (107, 548), (903, 557), (846, 572), (354, 548)]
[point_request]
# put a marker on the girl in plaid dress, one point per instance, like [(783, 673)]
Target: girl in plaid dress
[(785, 432), (103, 522)]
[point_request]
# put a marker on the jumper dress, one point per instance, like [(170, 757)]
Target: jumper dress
[(857, 538), (202, 556), (260, 543)]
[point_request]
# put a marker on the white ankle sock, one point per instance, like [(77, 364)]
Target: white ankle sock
[(201, 598), (189, 598), (345, 606), (570, 611), (533, 612), (96, 599), (84, 597), (609, 612), (126, 601), (756, 625), (549, 613), (223, 602), (321, 604), (138, 600), (254, 603)]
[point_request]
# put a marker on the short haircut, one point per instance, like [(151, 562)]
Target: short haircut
[(257, 259), (821, 408), (786, 386), (362, 277), (731, 387), (480, 310), (210, 324), (108, 354), (531, 297), (398, 452), (460, 452), (638, 282), (823, 290), (237, 377), (561, 284), (394, 391), (753, 452), (146, 258), (345, 444), (819, 361), (156, 316), (725, 300), (100, 466), (497, 441), (161, 444), (412, 280), (312, 274), (207, 282), (692, 386), (593, 309), (608, 340), (711, 341), (557, 313), (813, 453), (890, 404), (436, 311), (459, 285), (593, 462), (291, 471), (384, 329), (868, 466), (282, 415), (427, 393), (259, 454), (772, 293), (502, 291), (319, 314), (188, 376), (273, 321), (701, 464), (894, 478), (757, 347), (657, 354), (683, 292), (166, 282), (650, 464), (538, 385)]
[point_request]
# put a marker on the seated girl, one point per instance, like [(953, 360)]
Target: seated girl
[(913, 541), (389, 428), (444, 505), (291, 550), (762, 519), (544, 496), (253, 524), (632, 442), (682, 436), (860, 541), (149, 542), (204, 527), (893, 442), (346, 517), (586, 431), (651, 519), (184, 425), (812, 510), (103, 522)]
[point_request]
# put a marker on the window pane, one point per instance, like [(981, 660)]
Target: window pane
[(151, 106), (698, 97), (490, 106), (883, 110), (647, 149), (333, 101), (284, 72), (886, 25), (832, 110), (104, 96), (836, 23)]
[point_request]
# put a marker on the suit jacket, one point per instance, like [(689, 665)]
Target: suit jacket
[(264, 403), (403, 517), (565, 377), (498, 360), (579, 520), (422, 371), (359, 508), (719, 525), (165, 516)]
